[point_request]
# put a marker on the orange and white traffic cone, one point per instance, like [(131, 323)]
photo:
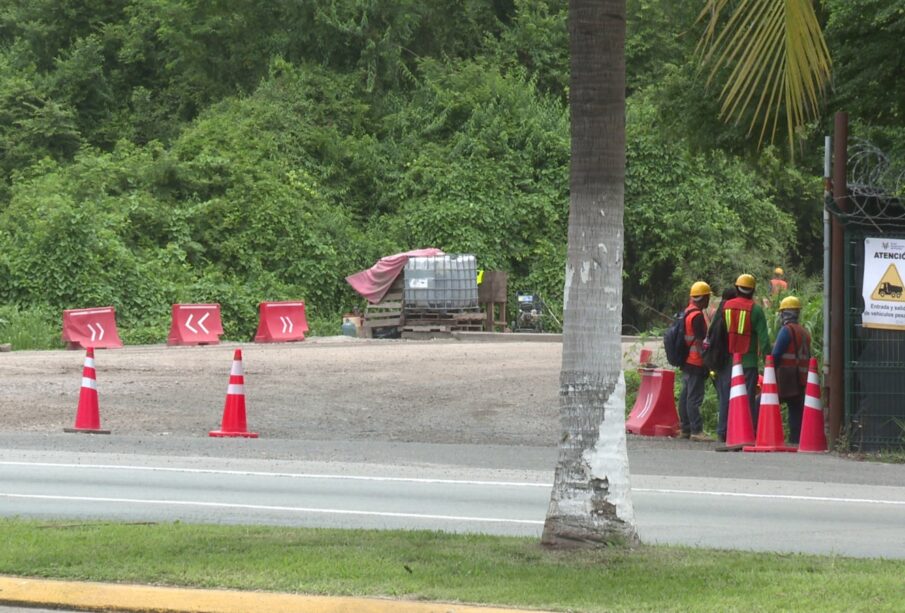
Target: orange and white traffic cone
[(769, 420), (740, 428), (87, 417), (813, 435), (234, 410)]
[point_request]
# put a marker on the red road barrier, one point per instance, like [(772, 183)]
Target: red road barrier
[(654, 412), (195, 324), (281, 321), (95, 327)]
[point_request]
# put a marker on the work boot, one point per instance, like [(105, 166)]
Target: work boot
[(700, 437), (684, 434)]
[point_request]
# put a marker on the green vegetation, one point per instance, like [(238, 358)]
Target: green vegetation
[(161, 151), (440, 566)]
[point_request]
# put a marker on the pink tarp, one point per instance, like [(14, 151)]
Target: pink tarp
[(374, 282)]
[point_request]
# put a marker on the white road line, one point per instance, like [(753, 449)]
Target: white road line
[(771, 496), (641, 490), (249, 473), (261, 507)]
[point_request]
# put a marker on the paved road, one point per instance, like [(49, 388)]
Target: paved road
[(683, 493)]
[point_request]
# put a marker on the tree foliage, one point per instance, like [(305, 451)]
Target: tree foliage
[(178, 150)]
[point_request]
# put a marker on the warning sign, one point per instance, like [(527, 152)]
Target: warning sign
[(883, 290), (890, 286)]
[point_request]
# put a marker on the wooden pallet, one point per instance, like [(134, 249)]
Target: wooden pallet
[(388, 313)]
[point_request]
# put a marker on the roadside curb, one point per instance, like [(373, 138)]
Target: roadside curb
[(19, 591)]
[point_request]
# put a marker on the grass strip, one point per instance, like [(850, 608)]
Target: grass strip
[(421, 565)]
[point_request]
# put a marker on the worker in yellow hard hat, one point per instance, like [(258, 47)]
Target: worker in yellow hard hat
[(694, 374), (718, 359), (778, 283), (792, 356), (746, 334)]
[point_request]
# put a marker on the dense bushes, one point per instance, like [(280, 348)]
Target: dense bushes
[(174, 150)]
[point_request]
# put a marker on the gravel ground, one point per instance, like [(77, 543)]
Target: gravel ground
[(502, 393)]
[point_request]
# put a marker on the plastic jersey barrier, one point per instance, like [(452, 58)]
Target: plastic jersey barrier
[(195, 324), (94, 327), (281, 322), (654, 412)]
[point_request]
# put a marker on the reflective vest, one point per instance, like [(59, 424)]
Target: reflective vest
[(738, 324), (798, 353), (778, 285), (694, 354)]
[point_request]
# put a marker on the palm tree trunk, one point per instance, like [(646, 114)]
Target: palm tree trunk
[(591, 503)]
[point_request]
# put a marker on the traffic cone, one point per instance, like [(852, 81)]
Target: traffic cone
[(87, 417), (769, 420), (813, 436), (739, 429), (234, 410)]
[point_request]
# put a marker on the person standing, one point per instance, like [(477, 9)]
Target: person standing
[(778, 283), (718, 360), (792, 354), (746, 329), (694, 375)]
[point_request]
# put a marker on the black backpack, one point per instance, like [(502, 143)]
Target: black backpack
[(674, 341), (716, 352)]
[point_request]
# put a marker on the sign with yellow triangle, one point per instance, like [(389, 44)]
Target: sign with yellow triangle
[(890, 286), (882, 289)]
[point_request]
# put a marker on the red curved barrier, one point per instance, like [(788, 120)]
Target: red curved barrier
[(195, 324), (654, 412), (281, 322), (91, 328)]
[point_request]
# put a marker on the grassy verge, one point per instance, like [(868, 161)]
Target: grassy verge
[(440, 566)]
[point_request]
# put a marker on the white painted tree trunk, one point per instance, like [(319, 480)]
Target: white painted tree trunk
[(591, 499)]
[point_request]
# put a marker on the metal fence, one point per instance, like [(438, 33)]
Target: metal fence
[(874, 360)]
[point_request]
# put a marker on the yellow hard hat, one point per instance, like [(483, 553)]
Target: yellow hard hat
[(778, 271), (789, 302), (699, 288), (746, 280)]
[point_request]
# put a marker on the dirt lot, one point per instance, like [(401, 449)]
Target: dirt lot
[(391, 390)]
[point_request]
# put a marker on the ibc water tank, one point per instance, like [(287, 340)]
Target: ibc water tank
[(441, 283)]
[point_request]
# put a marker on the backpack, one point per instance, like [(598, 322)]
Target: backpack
[(674, 341), (716, 349)]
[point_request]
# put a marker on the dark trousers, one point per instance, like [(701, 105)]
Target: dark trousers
[(795, 406), (690, 399), (723, 385), (723, 378)]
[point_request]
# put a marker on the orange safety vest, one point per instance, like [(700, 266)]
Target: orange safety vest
[(694, 355), (778, 285), (738, 324), (798, 353)]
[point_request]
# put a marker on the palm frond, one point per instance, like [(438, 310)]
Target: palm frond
[(775, 54)]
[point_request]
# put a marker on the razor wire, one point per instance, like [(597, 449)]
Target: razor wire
[(876, 189)]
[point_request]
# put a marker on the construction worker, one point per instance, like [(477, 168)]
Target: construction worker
[(746, 331), (694, 375), (792, 354), (778, 283), (718, 359)]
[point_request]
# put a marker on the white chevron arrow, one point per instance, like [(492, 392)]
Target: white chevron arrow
[(188, 324), (201, 322), (93, 331), (101, 328), (287, 323)]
